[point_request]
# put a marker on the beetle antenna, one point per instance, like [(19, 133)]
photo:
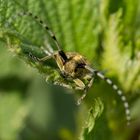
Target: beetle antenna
[(116, 88), (44, 25)]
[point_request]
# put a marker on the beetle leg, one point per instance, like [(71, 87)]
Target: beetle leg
[(81, 86), (45, 58), (81, 98), (79, 83), (63, 85), (40, 59), (85, 91), (90, 83)]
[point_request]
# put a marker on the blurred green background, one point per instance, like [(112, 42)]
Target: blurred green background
[(107, 32)]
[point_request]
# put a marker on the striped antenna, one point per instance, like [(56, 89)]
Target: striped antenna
[(44, 25), (116, 88)]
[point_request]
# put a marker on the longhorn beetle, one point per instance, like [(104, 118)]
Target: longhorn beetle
[(76, 68)]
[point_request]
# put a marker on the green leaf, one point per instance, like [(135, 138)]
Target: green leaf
[(106, 32), (25, 37), (12, 115), (93, 114), (118, 54)]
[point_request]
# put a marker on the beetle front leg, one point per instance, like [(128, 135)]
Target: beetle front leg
[(81, 86), (31, 56), (85, 91), (45, 58)]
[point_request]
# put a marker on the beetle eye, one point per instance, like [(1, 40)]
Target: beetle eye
[(80, 65)]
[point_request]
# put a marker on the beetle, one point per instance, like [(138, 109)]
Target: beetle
[(76, 68)]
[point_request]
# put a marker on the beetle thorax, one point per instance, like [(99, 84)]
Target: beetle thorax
[(71, 64)]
